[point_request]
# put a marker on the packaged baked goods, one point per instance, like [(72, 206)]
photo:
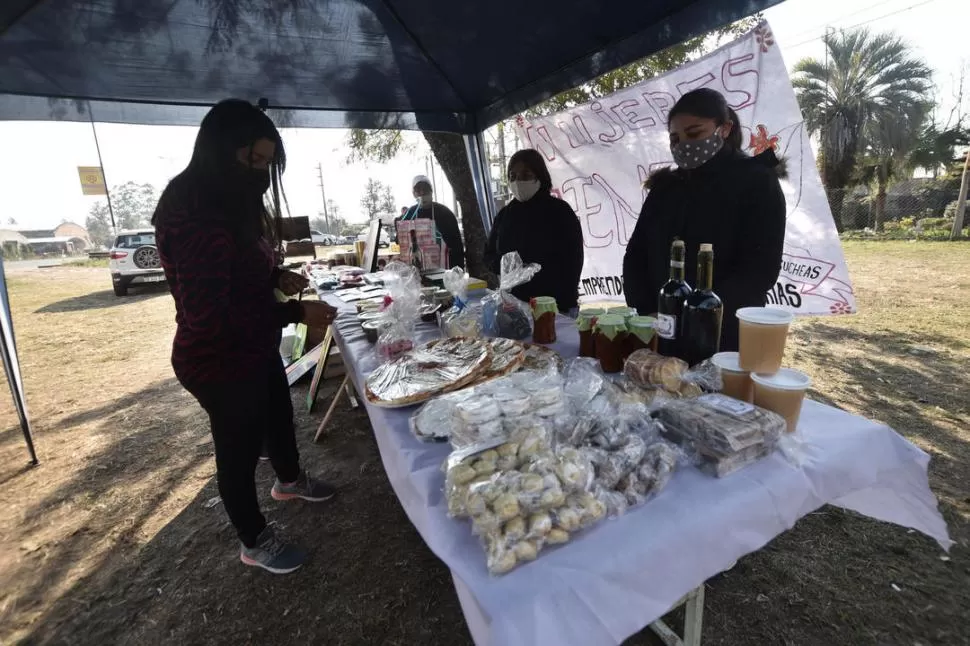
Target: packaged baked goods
[(721, 425), (503, 314), (401, 309), (651, 370), (461, 319)]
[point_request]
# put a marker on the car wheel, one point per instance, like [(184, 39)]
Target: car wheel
[(121, 289)]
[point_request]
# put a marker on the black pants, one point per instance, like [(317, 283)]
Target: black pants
[(244, 417)]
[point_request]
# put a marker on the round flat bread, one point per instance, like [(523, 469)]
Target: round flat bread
[(542, 359), (437, 367)]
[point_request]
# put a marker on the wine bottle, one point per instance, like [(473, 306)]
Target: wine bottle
[(670, 303), (703, 310), (415, 252)]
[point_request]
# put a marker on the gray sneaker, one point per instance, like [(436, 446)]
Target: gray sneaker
[(305, 487), (273, 553)]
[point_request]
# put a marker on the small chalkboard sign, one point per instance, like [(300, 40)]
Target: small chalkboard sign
[(325, 347)]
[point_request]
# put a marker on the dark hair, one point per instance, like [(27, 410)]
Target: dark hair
[(210, 175), (709, 104), (532, 160)]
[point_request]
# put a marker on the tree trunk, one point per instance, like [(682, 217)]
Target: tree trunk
[(449, 150), (880, 210), (961, 201)]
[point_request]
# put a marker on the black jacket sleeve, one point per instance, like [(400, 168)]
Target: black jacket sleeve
[(491, 256), (635, 266), (447, 225), (762, 240)]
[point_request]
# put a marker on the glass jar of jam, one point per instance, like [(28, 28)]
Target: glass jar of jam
[(642, 333), (585, 323), (544, 311), (610, 336)]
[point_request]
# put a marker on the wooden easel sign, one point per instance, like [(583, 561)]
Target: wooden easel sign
[(325, 347)]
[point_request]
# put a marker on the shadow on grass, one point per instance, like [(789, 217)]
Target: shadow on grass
[(370, 578), (104, 300)]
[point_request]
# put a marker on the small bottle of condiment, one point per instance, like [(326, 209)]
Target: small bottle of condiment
[(585, 323), (610, 337), (544, 311)]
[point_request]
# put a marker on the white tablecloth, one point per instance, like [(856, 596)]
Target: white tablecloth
[(614, 579)]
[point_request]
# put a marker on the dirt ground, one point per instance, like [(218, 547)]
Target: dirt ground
[(118, 537)]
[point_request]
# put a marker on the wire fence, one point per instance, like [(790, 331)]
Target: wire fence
[(912, 208)]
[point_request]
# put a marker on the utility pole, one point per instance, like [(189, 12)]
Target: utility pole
[(323, 194), (962, 200)]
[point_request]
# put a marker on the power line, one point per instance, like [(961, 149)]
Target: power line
[(848, 15), (865, 22)]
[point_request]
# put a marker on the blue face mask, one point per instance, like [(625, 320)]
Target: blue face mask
[(695, 153)]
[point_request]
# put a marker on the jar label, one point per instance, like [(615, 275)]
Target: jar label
[(727, 405), (666, 326)]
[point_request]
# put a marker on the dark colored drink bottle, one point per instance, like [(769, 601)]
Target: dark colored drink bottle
[(703, 310), (670, 304)]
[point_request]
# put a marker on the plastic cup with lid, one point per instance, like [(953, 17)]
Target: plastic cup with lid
[(762, 334), (783, 393), (735, 381)]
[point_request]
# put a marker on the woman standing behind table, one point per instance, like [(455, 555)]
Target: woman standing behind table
[(718, 195), (214, 236), (543, 229)]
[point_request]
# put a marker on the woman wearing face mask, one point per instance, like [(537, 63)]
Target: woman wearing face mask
[(718, 195), (216, 242), (445, 222), (543, 229)]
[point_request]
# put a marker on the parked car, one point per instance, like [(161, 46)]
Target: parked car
[(324, 239), (134, 260)]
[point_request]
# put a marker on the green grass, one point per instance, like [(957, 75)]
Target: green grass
[(88, 262)]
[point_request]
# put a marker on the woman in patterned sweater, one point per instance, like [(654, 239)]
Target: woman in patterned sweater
[(216, 241)]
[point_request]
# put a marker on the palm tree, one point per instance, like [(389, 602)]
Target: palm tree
[(853, 97), (936, 151)]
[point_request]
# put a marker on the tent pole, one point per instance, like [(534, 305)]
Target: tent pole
[(481, 176), (107, 191), (8, 348)]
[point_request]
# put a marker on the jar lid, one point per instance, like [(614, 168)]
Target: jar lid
[(641, 321), (784, 379), (592, 311), (730, 361), (610, 325), (622, 311), (544, 305), (765, 315)]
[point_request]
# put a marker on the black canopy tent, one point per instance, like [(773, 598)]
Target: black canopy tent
[(442, 65)]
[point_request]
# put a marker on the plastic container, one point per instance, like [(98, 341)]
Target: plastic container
[(762, 333), (736, 382), (783, 393)]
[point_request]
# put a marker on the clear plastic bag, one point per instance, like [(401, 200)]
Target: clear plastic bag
[(502, 313), (462, 319), (402, 308), (647, 369)]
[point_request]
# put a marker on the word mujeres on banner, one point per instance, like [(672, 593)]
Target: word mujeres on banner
[(600, 154)]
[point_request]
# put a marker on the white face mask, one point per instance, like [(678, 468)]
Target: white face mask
[(524, 190), (424, 200)]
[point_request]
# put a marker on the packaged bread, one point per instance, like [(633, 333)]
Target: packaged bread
[(651, 370), (719, 425)]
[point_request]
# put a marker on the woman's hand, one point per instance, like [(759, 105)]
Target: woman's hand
[(317, 314), (291, 283)]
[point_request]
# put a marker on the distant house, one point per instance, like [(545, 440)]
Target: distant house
[(13, 244), (66, 237)]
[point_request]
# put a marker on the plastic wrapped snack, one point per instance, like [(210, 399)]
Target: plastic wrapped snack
[(720, 425), (462, 319), (648, 369), (402, 308), (503, 314), (438, 419)]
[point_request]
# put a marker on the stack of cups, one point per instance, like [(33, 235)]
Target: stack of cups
[(754, 374)]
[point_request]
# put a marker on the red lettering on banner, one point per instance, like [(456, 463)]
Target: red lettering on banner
[(574, 192), (577, 134), (616, 133), (661, 102), (546, 146), (731, 72), (625, 111), (686, 86), (621, 210)]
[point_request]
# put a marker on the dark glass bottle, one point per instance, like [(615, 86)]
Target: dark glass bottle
[(670, 304), (703, 310), (415, 252)]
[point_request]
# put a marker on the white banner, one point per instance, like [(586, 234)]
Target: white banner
[(599, 155)]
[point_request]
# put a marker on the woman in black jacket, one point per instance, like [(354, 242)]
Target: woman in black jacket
[(543, 229), (718, 195)]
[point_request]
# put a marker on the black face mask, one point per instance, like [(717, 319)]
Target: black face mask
[(255, 181)]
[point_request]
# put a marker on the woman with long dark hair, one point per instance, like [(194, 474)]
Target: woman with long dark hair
[(218, 244), (543, 229), (717, 195)]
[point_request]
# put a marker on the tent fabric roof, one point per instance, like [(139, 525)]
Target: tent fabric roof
[(448, 65)]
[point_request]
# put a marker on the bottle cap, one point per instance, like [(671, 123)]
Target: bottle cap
[(707, 247), (677, 243)]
